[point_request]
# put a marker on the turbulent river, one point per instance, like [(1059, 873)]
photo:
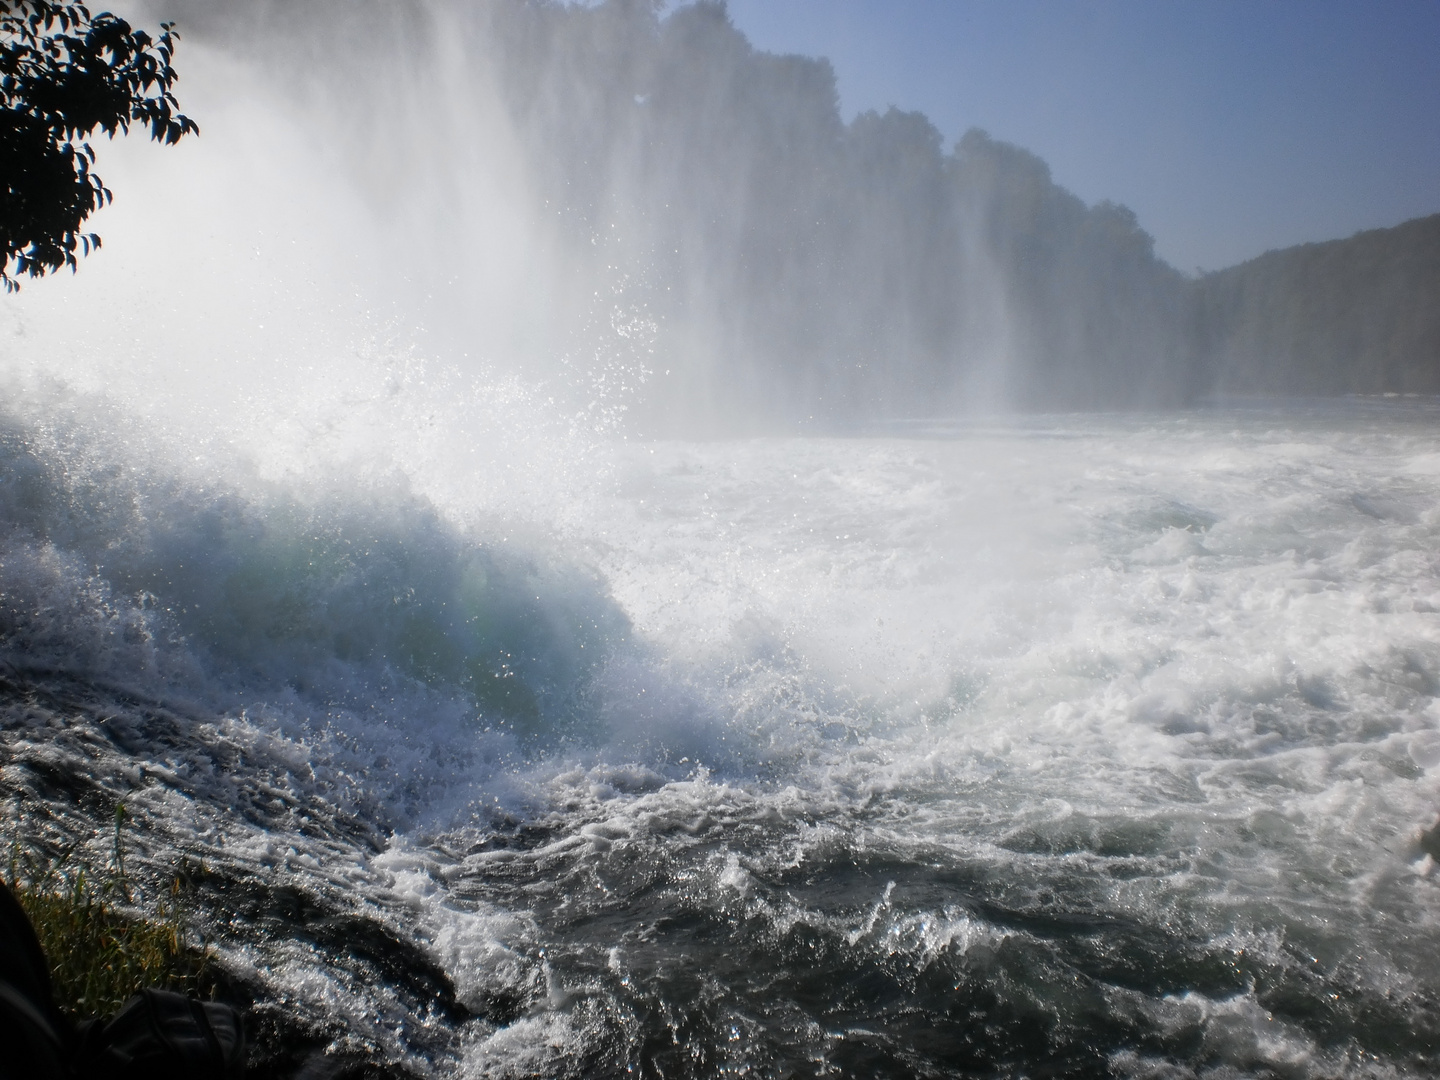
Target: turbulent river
[(1056, 746)]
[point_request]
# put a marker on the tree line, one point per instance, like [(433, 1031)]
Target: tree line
[(799, 267), (804, 266)]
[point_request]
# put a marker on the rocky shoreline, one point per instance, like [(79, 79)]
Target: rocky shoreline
[(70, 751)]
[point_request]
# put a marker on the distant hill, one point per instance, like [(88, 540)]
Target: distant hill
[(701, 212), (1356, 316), (799, 267)]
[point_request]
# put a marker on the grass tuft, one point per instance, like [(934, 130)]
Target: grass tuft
[(103, 938)]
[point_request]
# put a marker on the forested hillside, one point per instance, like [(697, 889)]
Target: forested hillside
[(766, 263), (1356, 316), (800, 266)]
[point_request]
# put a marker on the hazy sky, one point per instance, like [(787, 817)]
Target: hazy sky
[(1228, 126)]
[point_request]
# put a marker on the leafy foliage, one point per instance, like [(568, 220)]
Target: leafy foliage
[(64, 73)]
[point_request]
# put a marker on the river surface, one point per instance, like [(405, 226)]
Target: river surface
[(1066, 745)]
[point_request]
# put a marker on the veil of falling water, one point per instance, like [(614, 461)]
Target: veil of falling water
[(517, 742)]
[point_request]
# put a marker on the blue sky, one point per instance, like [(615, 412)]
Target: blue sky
[(1229, 126)]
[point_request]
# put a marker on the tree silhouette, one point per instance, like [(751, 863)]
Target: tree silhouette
[(63, 73)]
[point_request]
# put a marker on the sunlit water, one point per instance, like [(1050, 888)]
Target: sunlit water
[(1064, 746)]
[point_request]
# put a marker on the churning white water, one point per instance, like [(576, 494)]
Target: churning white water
[(1078, 739), (495, 743), (1102, 742)]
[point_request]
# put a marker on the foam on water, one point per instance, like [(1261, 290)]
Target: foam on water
[(512, 747), (1106, 741)]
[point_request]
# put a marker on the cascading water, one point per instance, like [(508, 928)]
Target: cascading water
[(513, 745)]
